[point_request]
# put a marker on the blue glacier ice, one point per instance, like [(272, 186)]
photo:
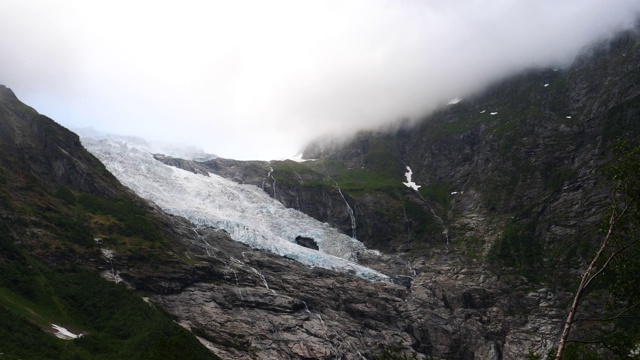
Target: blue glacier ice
[(247, 213)]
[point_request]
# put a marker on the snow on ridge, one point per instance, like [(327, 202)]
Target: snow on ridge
[(247, 213)]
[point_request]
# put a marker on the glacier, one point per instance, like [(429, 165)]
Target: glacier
[(246, 212)]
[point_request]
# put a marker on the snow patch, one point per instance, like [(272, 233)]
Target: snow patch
[(64, 334), (494, 113), (545, 85), (410, 183), (454, 101), (568, 117), (483, 111)]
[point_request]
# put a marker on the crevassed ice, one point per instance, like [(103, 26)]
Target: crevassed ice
[(248, 214)]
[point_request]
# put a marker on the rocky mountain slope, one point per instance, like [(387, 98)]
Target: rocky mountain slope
[(511, 189), (484, 252), (60, 231)]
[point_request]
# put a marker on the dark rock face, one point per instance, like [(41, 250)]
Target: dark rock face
[(52, 154), (307, 242), (256, 305), (191, 166)]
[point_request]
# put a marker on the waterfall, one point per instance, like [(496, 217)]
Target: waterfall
[(110, 255), (262, 278), (270, 175), (406, 222), (351, 213), (306, 308), (411, 184)]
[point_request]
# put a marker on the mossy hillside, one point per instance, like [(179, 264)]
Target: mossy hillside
[(59, 228), (120, 224), (519, 248), (333, 173), (296, 173), (115, 323), (134, 220), (364, 179), (437, 193), (421, 222), (623, 116)]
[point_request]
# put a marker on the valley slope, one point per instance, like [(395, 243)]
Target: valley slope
[(483, 256)]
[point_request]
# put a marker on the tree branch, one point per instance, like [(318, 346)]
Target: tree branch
[(617, 316), (604, 266), (583, 283)]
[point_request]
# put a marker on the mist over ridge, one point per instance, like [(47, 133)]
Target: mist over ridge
[(251, 80)]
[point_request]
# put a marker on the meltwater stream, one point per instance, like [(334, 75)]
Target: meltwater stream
[(247, 213)]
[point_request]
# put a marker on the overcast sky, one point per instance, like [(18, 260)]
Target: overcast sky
[(259, 79)]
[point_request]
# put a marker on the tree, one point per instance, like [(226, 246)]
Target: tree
[(616, 264)]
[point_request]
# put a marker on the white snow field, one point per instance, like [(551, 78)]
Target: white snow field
[(247, 213)]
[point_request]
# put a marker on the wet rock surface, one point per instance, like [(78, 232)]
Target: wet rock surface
[(254, 305)]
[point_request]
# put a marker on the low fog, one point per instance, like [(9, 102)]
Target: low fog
[(259, 79)]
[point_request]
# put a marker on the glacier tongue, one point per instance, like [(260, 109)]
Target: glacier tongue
[(248, 214)]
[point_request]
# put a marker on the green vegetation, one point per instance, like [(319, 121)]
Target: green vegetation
[(72, 229), (394, 352), (331, 173), (421, 219), (66, 195), (381, 159), (437, 193), (519, 248), (115, 323), (82, 217), (134, 220), (364, 179), (613, 271), (623, 116), (289, 171)]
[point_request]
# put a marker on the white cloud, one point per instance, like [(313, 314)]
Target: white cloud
[(255, 79)]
